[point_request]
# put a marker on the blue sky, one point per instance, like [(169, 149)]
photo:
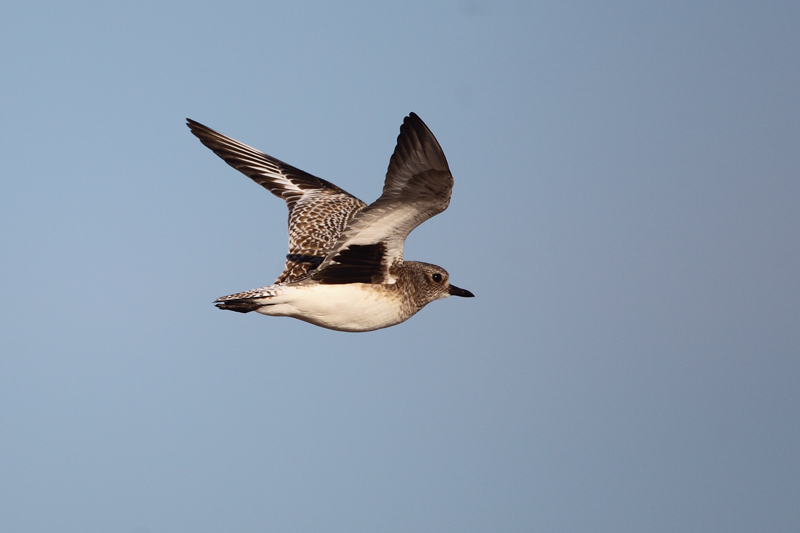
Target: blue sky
[(625, 211)]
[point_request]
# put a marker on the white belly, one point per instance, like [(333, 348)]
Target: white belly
[(351, 307)]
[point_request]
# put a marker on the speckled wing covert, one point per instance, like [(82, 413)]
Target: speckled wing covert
[(318, 209), (417, 187)]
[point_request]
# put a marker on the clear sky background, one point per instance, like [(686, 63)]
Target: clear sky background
[(626, 210)]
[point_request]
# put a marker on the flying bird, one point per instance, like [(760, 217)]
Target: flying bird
[(345, 269)]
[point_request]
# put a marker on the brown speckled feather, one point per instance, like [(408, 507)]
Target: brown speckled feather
[(318, 209)]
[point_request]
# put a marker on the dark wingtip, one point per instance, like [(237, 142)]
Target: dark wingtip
[(196, 126), (413, 120)]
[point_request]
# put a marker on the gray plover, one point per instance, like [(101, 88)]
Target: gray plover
[(345, 268)]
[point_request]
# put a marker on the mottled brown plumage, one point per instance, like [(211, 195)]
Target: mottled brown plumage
[(318, 209)]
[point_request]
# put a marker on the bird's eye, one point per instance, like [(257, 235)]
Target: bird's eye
[(437, 278)]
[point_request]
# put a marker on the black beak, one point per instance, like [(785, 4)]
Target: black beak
[(455, 291)]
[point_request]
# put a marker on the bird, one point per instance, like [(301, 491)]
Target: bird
[(345, 270)]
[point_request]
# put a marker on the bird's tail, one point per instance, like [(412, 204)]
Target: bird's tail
[(240, 306), (244, 302)]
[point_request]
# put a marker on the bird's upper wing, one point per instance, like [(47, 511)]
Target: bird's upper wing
[(318, 209), (418, 186)]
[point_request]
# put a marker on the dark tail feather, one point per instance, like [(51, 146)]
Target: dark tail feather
[(244, 305)]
